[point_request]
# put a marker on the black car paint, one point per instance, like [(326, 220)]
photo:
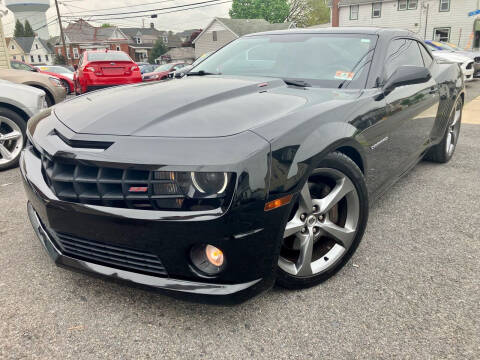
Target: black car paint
[(287, 131)]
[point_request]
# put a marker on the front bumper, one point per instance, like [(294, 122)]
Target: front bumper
[(249, 237)]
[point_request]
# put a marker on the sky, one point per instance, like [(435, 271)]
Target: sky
[(176, 21)]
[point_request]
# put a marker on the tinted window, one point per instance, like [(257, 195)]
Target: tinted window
[(108, 56), (402, 52)]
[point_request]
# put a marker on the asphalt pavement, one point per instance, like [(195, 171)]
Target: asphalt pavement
[(411, 291)]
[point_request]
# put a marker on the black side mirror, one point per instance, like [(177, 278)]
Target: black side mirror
[(179, 74), (407, 75), (75, 67)]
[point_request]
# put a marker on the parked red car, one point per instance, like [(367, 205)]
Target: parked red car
[(104, 68), (162, 71), (66, 80)]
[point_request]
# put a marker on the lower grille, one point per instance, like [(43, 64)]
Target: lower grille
[(109, 255), (469, 66), (477, 59)]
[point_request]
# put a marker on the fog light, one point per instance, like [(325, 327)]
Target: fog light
[(208, 259)]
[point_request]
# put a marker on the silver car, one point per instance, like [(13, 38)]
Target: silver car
[(17, 104)]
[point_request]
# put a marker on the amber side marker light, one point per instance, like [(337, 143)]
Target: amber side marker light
[(278, 202), (214, 255)]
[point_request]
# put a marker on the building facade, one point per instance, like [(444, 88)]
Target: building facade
[(442, 20), (30, 50)]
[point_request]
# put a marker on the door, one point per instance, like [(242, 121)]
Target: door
[(411, 109)]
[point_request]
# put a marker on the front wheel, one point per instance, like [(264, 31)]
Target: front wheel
[(12, 138), (326, 224)]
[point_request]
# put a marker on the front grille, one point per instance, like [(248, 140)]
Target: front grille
[(469, 66), (110, 255), (113, 187)]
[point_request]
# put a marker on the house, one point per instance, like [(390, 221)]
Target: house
[(4, 63), (142, 40), (31, 50), (182, 54), (442, 20), (81, 36), (221, 31)]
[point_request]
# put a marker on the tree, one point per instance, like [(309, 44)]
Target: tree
[(106, 25), (158, 50), (59, 60), (19, 29), (28, 30), (274, 11), (308, 12)]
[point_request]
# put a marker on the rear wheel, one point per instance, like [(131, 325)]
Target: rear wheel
[(12, 138), (443, 152), (326, 224)]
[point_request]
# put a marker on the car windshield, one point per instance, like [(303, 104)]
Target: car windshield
[(326, 60), (108, 56), (201, 58), (56, 69), (163, 67)]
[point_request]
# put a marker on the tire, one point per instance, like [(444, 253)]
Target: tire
[(443, 151), (13, 126), (339, 179)]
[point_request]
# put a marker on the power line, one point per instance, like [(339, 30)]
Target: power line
[(167, 12), (144, 11), (117, 7)]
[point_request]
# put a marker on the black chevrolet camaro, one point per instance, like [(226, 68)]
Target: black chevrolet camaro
[(258, 167)]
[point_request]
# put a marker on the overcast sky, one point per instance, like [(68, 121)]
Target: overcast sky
[(177, 21)]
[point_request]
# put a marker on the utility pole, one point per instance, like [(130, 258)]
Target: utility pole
[(426, 23), (62, 35)]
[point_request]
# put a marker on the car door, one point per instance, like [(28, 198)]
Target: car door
[(411, 109)]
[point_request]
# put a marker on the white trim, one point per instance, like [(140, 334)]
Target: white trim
[(209, 25)]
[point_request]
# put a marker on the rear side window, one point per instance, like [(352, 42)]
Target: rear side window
[(402, 52), (108, 56)]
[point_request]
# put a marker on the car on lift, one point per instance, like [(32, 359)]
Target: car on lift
[(17, 104), (256, 168), (104, 68)]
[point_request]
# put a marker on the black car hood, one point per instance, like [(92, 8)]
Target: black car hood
[(207, 106)]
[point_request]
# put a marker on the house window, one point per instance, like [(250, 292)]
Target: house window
[(23, 58), (214, 35), (402, 5), (441, 34), (14, 57), (412, 4), (118, 47), (68, 55), (75, 53), (444, 5), (39, 58), (13, 47), (36, 46), (165, 39), (138, 40), (59, 51), (46, 58), (354, 12), (32, 59), (376, 10)]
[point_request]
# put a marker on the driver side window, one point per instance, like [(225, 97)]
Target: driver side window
[(402, 52)]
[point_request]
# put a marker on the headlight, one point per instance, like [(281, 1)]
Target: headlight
[(35, 120), (192, 190), (55, 81)]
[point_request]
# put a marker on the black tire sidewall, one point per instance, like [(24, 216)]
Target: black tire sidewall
[(22, 124), (340, 162)]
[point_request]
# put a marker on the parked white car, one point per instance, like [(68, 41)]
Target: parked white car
[(17, 104), (466, 63)]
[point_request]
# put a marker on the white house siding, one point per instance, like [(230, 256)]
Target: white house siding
[(42, 52), (414, 20), (4, 62), (205, 43)]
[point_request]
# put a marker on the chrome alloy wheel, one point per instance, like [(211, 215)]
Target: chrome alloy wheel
[(453, 130), (11, 140), (322, 226)]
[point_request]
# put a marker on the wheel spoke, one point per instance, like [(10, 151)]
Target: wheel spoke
[(343, 187), (293, 226), (14, 135), (306, 203), (304, 261), (343, 236), (5, 153)]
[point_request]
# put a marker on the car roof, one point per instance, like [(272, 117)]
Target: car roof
[(341, 30)]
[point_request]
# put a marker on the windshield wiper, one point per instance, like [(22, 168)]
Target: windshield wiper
[(200, 73), (299, 83)]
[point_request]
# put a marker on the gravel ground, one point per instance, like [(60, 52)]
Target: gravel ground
[(411, 291)]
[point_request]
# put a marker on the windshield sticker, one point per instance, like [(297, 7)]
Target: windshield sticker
[(365, 41), (344, 75)]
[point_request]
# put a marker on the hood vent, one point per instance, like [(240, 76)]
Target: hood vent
[(84, 144)]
